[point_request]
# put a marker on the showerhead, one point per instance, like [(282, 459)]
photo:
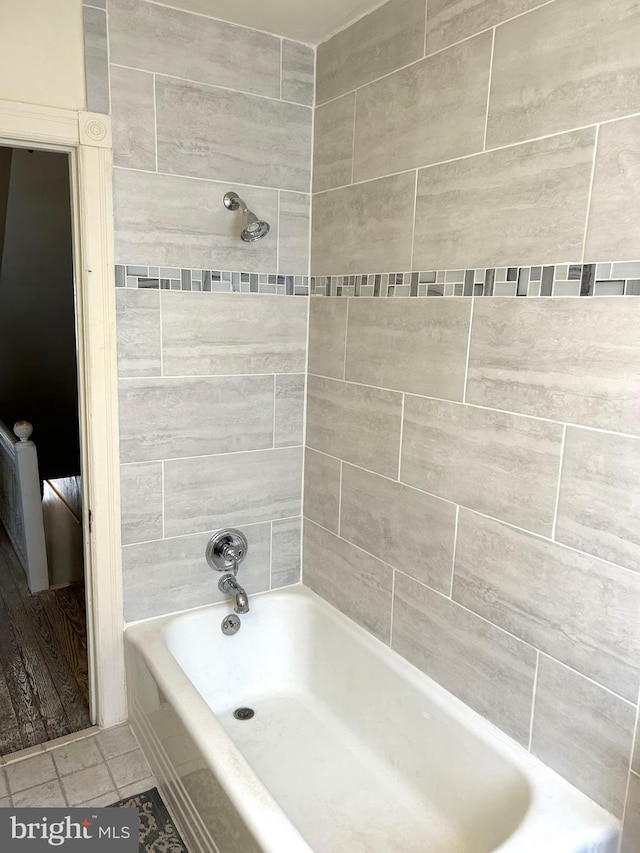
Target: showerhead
[(252, 228)]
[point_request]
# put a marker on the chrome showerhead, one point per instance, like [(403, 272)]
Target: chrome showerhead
[(252, 228)]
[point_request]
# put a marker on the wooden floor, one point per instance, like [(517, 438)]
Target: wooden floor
[(44, 686)]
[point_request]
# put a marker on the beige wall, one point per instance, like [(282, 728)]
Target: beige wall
[(474, 470), (41, 53)]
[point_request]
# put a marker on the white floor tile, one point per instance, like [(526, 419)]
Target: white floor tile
[(30, 772), (48, 795), (116, 741), (87, 784), (76, 756), (103, 800), (137, 788), (128, 768)]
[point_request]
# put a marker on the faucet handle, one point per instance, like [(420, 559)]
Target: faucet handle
[(232, 555), (226, 550)]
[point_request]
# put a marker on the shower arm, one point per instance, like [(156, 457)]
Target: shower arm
[(232, 201)]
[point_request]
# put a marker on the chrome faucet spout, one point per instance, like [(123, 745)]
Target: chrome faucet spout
[(230, 586)]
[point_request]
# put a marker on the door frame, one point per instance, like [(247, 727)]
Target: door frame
[(86, 137)]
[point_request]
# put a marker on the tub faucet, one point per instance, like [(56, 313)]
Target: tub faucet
[(230, 586)]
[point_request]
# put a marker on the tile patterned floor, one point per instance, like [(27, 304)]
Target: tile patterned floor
[(94, 768)]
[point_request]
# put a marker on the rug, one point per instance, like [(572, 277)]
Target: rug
[(158, 833)]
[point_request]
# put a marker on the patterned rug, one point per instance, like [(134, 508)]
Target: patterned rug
[(158, 833)]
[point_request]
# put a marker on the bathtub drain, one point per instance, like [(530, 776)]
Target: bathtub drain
[(243, 713)]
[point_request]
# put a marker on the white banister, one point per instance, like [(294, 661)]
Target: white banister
[(21, 502)]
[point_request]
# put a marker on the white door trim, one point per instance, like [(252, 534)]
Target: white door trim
[(87, 138)]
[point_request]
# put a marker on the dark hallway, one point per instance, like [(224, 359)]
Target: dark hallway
[(44, 689)]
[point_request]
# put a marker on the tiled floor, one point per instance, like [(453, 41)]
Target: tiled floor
[(96, 768)]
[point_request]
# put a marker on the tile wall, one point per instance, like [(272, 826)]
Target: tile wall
[(472, 464), (211, 384), (474, 472), (486, 135)]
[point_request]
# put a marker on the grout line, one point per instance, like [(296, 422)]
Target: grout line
[(271, 554), (60, 782), (454, 602), (279, 203), (346, 335), (466, 367), (164, 5), (311, 169), (217, 455), (486, 122), (302, 523), (455, 547), (106, 14), (555, 511), (213, 86), (415, 210), (198, 533), (426, 27), (436, 52), (518, 144), (353, 139), (281, 56), (474, 405), (162, 481), (590, 196), (514, 636), (631, 770), (161, 334), (533, 700), (155, 119), (304, 432), (630, 702), (393, 598), (208, 181), (273, 423), (401, 436), (170, 377), (340, 500), (112, 777), (477, 512)]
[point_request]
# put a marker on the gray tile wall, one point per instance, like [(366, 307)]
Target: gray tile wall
[(499, 114), (510, 587), (211, 434), (486, 457), (200, 106), (484, 136), (211, 385)]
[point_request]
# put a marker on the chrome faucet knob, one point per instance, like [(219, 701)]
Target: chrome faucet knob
[(226, 550)]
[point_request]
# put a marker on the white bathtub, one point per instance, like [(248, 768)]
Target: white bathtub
[(351, 748)]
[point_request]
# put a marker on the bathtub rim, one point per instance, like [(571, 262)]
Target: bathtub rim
[(267, 821)]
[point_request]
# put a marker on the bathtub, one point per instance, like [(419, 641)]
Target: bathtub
[(350, 747)]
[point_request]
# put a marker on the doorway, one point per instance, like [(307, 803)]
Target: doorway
[(85, 139), (44, 671)]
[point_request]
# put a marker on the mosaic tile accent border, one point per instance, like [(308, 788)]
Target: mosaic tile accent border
[(605, 279), (210, 281)]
